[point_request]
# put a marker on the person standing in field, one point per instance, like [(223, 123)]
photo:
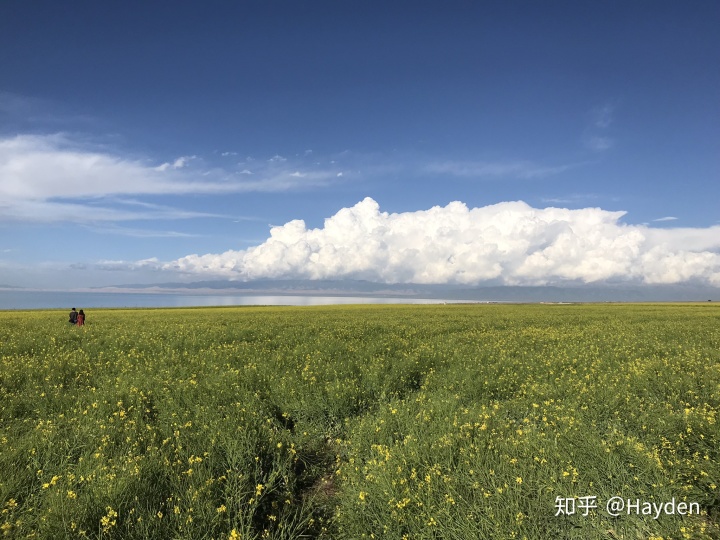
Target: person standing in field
[(73, 316), (81, 318)]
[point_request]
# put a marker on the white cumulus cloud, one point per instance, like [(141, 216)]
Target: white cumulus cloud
[(509, 242)]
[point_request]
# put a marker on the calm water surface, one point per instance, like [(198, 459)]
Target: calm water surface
[(84, 300)]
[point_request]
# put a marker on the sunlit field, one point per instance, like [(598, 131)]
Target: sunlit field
[(418, 422)]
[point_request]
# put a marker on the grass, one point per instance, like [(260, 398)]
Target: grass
[(360, 422)]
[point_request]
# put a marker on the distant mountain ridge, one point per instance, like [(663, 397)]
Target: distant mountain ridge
[(497, 293)]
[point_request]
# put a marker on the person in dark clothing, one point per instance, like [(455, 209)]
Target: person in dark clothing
[(73, 316)]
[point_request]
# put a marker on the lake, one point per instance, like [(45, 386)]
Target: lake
[(10, 299)]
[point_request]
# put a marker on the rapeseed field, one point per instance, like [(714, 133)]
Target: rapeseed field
[(397, 422)]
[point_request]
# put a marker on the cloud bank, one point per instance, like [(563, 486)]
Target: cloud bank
[(509, 243)]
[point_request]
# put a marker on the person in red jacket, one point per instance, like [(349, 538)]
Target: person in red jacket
[(81, 318)]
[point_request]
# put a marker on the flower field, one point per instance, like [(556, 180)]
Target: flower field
[(417, 422)]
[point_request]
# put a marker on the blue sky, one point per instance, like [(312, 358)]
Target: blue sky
[(142, 142)]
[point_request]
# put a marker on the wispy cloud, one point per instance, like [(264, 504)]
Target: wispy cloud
[(667, 218), (141, 233), (42, 211), (603, 116), (119, 266), (481, 169), (599, 144), (34, 111), (596, 136), (57, 177), (576, 198), (179, 163)]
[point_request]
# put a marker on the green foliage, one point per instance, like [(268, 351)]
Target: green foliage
[(461, 421)]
